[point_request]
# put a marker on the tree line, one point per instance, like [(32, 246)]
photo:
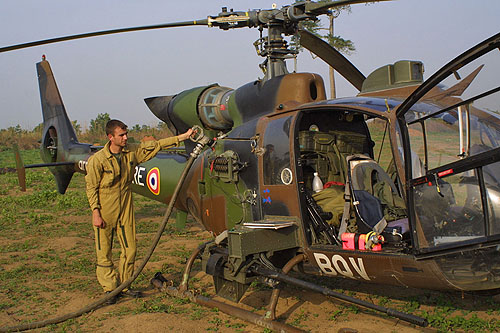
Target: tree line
[(95, 133)]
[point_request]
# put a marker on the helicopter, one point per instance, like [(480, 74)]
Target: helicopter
[(408, 170)]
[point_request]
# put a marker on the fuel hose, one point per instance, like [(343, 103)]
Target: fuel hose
[(126, 284)]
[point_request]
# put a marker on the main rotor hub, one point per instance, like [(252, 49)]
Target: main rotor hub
[(275, 49)]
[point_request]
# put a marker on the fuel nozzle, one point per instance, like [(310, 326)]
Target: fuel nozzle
[(201, 139)]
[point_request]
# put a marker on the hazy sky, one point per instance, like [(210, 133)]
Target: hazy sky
[(114, 74)]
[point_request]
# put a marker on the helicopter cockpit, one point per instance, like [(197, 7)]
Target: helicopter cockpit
[(348, 153)]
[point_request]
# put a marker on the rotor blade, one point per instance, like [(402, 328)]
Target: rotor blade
[(323, 7), (332, 57), (103, 32)]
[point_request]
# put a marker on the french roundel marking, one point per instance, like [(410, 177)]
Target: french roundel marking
[(153, 181)]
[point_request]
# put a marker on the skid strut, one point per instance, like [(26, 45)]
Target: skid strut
[(159, 282), (257, 269), (271, 309)]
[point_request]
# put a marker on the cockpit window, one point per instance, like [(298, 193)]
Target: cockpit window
[(455, 130), (460, 116), (379, 132), (276, 157), (449, 209), (453, 135)]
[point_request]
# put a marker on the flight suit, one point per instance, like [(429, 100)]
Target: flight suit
[(109, 190)]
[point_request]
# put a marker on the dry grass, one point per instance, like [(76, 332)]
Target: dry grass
[(27, 140)]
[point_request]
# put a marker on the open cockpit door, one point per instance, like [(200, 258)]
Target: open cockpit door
[(454, 135)]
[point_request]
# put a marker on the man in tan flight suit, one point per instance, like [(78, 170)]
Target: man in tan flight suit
[(110, 172)]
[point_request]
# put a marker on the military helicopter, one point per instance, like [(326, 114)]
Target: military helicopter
[(398, 185)]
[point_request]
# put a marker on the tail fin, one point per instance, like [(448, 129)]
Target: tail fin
[(59, 142)]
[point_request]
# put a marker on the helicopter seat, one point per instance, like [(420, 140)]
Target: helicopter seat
[(375, 196)]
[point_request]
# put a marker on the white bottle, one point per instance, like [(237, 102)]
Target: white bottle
[(317, 184)]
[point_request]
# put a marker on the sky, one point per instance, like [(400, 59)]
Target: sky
[(113, 74)]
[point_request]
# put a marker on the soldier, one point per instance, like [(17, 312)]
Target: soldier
[(109, 176)]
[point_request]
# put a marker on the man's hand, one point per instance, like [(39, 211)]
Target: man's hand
[(97, 220), (187, 135)]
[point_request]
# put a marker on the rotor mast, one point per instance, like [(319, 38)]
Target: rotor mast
[(273, 46), (278, 23)]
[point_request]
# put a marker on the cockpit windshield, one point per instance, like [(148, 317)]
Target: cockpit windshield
[(455, 132)]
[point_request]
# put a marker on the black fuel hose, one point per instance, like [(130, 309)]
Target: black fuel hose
[(126, 284)]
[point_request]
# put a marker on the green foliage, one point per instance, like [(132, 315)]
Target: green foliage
[(77, 127), (72, 200), (16, 135), (98, 125), (342, 45), (162, 126), (39, 128), (444, 322), (141, 128), (95, 134), (345, 46)]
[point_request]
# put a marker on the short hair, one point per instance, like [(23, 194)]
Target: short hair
[(114, 123)]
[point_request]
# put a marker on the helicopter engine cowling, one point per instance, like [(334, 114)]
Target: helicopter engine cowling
[(217, 108), (208, 108)]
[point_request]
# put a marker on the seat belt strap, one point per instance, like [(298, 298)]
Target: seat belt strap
[(347, 200)]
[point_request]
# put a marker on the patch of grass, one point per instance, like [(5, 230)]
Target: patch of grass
[(7, 157), (410, 306), (73, 200), (237, 326), (335, 315), (299, 319), (22, 246), (147, 227), (452, 323), (82, 265), (5, 305), (198, 313), (217, 322), (180, 252), (158, 305), (258, 285), (181, 301), (84, 284)]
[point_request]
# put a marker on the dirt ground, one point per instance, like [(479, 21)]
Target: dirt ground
[(300, 308), (47, 269)]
